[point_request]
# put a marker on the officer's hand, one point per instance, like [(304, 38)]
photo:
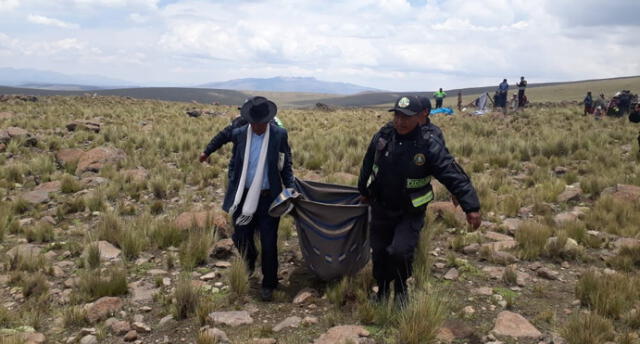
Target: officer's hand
[(474, 219), (364, 199), (203, 157)]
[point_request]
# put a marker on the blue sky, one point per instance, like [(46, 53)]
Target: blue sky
[(388, 44)]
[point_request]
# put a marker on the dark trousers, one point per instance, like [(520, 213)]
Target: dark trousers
[(394, 239), (438, 103), (521, 98), (267, 227)]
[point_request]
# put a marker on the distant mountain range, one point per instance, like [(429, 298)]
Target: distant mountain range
[(47, 80), (34, 78), (290, 84)]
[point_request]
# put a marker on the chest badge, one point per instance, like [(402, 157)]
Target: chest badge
[(419, 159)]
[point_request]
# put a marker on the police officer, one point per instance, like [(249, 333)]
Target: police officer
[(395, 181)]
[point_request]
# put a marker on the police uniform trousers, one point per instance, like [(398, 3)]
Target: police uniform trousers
[(267, 228), (394, 237)]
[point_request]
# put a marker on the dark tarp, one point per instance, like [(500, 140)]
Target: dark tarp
[(332, 226)]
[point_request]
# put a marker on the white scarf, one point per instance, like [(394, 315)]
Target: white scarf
[(253, 195)]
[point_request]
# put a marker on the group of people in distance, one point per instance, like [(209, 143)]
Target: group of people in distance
[(500, 96), (394, 181), (619, 105), (517, 101)]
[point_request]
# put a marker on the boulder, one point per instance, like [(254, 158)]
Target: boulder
[(69, 156), (293, 321), (570, 193), (6, 115), (53, 186), (91, 125), (494, 236), (343, 334), (95, 159), (120, 327), (15, 133), (216, 334), (35, 197), (501, 245), (103, 307), (137, 175), (24, 250), (514, 325), (107, 250), (142, 291), (305, 295), (222, 249), (512, 224), (231, 318), (623, 192), (131, 336), (202, 219), (452, 330)]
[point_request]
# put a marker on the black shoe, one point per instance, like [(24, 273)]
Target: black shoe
[(266, 294)]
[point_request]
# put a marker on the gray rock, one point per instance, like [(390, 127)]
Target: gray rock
[(305, 295), (218, 335), (141, 327), (36, 196), (231, 318), (452, 274), (89, 339), (514, 325), (343, 334), (293, 321)]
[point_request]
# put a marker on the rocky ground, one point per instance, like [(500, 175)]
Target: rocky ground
[(507, 283)]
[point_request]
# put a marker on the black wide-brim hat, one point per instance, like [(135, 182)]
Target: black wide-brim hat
[(258, 110)]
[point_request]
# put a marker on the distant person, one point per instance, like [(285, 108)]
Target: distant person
[(439, 96), (522, 86), (588, 104), (503, 89), (259, 169), (459, 101), (599, 106), (514, 103), (634, 117)]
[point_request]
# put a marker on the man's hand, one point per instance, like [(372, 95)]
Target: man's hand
[(474, 219), (203, 157), (364, 199)]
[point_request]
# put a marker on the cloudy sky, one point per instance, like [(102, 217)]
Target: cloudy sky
[(387, 44)]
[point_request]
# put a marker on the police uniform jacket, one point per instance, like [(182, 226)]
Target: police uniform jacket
[(397, 170)]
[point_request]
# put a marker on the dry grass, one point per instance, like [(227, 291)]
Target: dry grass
[(187, 298), (238, 278), (421, 319), (94, 284), (532, 238), (608, 295), (135, 214), (588, 328)]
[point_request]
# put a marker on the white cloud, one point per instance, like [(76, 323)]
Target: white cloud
[(6, 5), (138, 18), (38, 19), (389, 44)]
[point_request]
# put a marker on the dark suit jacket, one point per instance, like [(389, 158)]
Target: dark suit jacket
[(278, 160)]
